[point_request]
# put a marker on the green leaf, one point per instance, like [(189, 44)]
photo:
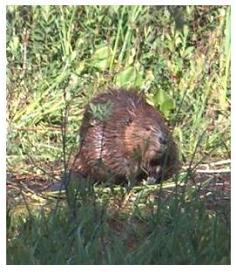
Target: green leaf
[(165, 102), (101, 111), (160, 97), (80, 67), (14, 44), (167, 106), (101, 64), (187, 52), (129, 77), (101, 58)]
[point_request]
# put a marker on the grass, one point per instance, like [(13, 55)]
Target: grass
[(174, 231), (59, 57)]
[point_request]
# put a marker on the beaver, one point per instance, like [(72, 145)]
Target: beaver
[(124, 139)]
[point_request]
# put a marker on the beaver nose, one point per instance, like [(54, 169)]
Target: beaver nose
[(163, 139)]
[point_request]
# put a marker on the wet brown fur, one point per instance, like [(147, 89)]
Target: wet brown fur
[(123, 145)]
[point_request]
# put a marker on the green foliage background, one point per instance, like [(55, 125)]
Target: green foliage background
[(62, 56), (58, 58)]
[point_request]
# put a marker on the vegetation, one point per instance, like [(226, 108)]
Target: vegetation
[(59, 57)]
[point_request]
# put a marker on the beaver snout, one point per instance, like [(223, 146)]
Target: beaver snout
[(163, 138)]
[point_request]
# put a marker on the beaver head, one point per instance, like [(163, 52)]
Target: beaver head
[(146, 136)]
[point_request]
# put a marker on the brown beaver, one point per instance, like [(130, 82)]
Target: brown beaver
[(125, 139)]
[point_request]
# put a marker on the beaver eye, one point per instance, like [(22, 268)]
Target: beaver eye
[(147, 128)]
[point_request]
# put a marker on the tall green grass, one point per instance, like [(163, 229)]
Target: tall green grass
[(78, 51), (172, 231), (59, 57)]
